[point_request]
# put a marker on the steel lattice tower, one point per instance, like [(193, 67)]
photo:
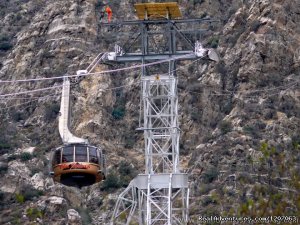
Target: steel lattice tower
[(160, 196)]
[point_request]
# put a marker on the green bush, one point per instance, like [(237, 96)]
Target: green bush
[(34, 213), (112, 181), (213, 42), (207, 200), (251, 130), (125, 180), (3, 38), (210, 175), (29, 193), (118, 113), (25, 156), (17, 116), (267, 198), (204, 189), (255, 25), (8, 136), (3, 168), (4, 147), (225, 127), (195, 115), (5, 46), (85, 216), (129, 140), (51, 112), (126, 169), (20, 198), (127, 173), (119, 108)]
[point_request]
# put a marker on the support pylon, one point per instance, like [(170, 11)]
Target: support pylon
[(160, 196)]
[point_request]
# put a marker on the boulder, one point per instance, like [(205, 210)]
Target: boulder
[(73, 217)]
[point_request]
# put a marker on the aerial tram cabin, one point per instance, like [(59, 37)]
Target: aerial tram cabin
[(76, 163)]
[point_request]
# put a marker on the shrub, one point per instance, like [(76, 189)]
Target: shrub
[(119, 107), (112, 181), (125, 180), (205, 189), (118, 113), (99, 4), (221, 69), (203, 15), (30, 192), (195, 115), (3, 38), (33, 213), (207, 137), (296, 141), (127, 172), (266, 198), (213, 42), (207, 200), (85, 216), (17, 116), (227, 107), (18, 17), (12, 157), (129, 140), (249, 129), (198, 1), (35, 136), (4, 147), (269, 114), (27, 193), (20, 198), (254, 129), (51, 112), (210, 175), (5, 46), (3, 168), (244, 178), (99, 202), (126, 169), (1, 196), (255, 26), (25, 156), (225, 127), (211, 211), (35, 170)]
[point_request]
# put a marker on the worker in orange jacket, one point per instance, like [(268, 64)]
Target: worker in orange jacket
[(109, 13)]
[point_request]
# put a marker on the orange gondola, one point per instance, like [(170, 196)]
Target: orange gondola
[(78, 165)]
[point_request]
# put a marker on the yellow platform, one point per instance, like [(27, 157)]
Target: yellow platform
[(169, 10)]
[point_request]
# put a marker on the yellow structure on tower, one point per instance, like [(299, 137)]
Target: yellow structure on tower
[(168, 10)]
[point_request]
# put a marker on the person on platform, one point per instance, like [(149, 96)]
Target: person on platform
[(109, 13)]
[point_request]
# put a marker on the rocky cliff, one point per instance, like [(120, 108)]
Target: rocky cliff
[(239, 118)]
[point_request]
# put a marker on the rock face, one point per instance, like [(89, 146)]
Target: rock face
[(73, 217), (239, 117)]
